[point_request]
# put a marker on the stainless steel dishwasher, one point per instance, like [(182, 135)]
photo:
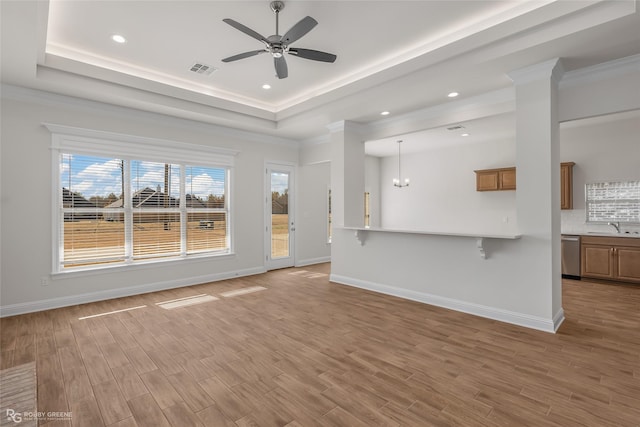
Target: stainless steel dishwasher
[(570, 256)]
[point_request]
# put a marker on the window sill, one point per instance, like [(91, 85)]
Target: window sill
[(140, 265)]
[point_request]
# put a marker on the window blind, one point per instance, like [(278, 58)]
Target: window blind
[(129, 208), (155, 209), (207, 208), (91, 195)]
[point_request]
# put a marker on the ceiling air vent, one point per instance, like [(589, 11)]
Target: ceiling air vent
[(200, 68), (456, 127)]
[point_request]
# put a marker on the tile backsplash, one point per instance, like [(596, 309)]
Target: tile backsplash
[(574, 222)]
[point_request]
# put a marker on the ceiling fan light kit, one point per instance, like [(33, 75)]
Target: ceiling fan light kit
[(278, 45)]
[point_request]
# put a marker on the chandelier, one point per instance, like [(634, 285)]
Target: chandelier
[(398, 182)]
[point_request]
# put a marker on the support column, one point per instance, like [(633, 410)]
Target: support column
[(347, 174), (538, 175)]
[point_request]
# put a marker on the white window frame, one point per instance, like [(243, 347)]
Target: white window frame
[(81, 141), (617, 203)]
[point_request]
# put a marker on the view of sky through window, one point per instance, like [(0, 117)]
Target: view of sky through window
[(93, 176)]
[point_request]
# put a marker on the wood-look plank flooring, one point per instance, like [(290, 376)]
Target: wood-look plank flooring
[(306, 352), (18, 395)]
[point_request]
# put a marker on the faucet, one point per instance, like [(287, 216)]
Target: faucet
[(616, 225)]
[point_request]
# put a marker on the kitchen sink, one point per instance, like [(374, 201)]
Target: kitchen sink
[(604, 233)]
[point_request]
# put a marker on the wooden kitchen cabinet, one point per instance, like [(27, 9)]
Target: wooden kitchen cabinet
[(566, 185), (610, 258), (596, 261), (505, 179), (627, 263), (496, 179), (486, 180)]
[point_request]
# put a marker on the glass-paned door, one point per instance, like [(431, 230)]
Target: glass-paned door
[(280, 220)]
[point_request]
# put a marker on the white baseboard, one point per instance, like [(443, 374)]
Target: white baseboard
[(311, 261), (32, 306), (558, 319), (520, 319)]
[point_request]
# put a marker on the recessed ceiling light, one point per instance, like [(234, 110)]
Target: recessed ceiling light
[(118, 38), (453, 94), (266, 86), (384, 113), (464, 134)]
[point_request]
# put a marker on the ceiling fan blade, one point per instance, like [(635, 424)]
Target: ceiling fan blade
[(282, 70), (243, 55), (303, 26), (248, 31), (314, 55)]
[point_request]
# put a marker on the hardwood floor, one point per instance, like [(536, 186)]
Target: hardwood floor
[(305, 352)]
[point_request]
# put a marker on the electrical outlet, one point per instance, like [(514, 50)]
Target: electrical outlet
[(44, 281)]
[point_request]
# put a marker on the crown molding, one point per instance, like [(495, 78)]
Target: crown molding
[(316, 140), (606, 70), (67, 60), (55, 100), (550, 69), (347, 126)]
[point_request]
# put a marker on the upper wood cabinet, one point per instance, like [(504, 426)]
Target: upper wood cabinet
[(505, 179), (496, 179), (566, 185)]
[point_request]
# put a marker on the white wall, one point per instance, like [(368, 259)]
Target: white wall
[(312, 208), (26, 229), (511, 284), (25, 224), (442, 195), (373, 187), (444, 271), (519, 281), (604, 149), (600, 89)]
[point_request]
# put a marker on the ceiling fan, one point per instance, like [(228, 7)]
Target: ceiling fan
[(278, 45)]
